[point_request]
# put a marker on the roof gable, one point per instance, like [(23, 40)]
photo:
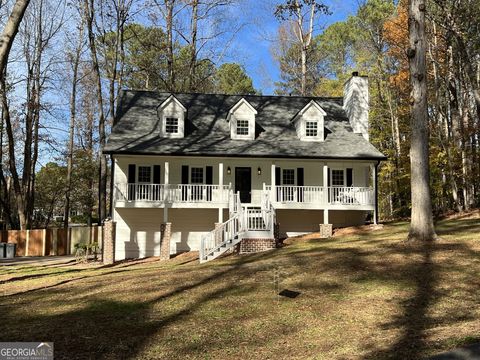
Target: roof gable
[(311, 104), (171, 98), (238, 104)]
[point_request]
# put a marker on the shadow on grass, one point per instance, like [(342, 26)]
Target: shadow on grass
[(106, 328)]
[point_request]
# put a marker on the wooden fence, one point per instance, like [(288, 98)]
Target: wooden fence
[(45, 242)]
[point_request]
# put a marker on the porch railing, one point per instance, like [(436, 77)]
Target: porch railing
[(172, 193), (338, 195)]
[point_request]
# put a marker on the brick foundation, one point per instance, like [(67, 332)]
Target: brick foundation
[(326, 231), (248, 246), (109, 242), (165, 236)]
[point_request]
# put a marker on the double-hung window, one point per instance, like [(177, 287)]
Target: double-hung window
[(145, 174), (338, 178), (171, 125), (311, 128), (242, 127)]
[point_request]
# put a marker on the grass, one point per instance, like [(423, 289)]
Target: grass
[(362, 296)]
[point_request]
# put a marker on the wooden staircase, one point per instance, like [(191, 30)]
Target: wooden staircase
[(231, 232)]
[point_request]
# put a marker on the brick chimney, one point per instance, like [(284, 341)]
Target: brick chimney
[(355, 103)]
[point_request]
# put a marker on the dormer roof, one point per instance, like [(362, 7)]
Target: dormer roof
[(237, 105), (170, 99), (308, 106)]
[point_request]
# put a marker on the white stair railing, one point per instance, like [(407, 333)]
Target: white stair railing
[(227, 234)]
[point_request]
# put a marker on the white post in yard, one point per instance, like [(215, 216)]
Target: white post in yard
[(221, 194), (273, 182)]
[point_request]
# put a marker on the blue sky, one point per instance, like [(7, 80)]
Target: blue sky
[(254, 41)]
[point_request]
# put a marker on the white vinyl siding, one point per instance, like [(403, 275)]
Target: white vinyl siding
[(172, 116), (242, 121)]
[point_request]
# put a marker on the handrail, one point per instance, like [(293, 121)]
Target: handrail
[(225, 232), (174, 193), (339, 195)]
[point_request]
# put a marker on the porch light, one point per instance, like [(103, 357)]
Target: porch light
[(259, 171), (229, 171)]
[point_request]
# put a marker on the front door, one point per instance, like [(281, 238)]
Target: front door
[(243, 183)]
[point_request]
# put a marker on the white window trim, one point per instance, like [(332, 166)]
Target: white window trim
[(138, 173), (317, 122), (243, 137), (165, 125), (179, 133)]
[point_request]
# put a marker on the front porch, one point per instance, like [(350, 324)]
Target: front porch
[(216, 196)]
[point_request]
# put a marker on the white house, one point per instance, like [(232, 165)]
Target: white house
[(206, 172)]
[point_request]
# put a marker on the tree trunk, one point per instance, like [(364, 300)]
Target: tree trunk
[(102, 181), (421, 225), (170, 60), (10, 31), (73, 113), (193, 46)]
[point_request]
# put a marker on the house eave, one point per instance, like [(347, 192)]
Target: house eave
[(258, 156)]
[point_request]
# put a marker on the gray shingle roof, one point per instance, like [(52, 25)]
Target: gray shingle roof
[(207, 132)]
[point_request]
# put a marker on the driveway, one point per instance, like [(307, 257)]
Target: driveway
[(38, 260)]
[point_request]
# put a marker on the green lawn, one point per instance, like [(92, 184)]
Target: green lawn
[(362, 296)]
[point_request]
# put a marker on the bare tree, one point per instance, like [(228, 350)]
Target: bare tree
[(74, 61), (421, 225), (302, 13), (89, 12), (10, 31)]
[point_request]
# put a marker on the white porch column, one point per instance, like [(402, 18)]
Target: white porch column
[(325, 216), (220, 191), (166, 192), (273, 196), (167, 173), (165, 213), (325, 184)]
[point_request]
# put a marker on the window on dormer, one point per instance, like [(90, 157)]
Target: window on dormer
[(242, 127), (171, 125), (311, 128)]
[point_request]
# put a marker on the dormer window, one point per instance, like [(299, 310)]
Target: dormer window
[(311, 128), (172, 115), (242, 120), (309, 122), (171, 125)]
